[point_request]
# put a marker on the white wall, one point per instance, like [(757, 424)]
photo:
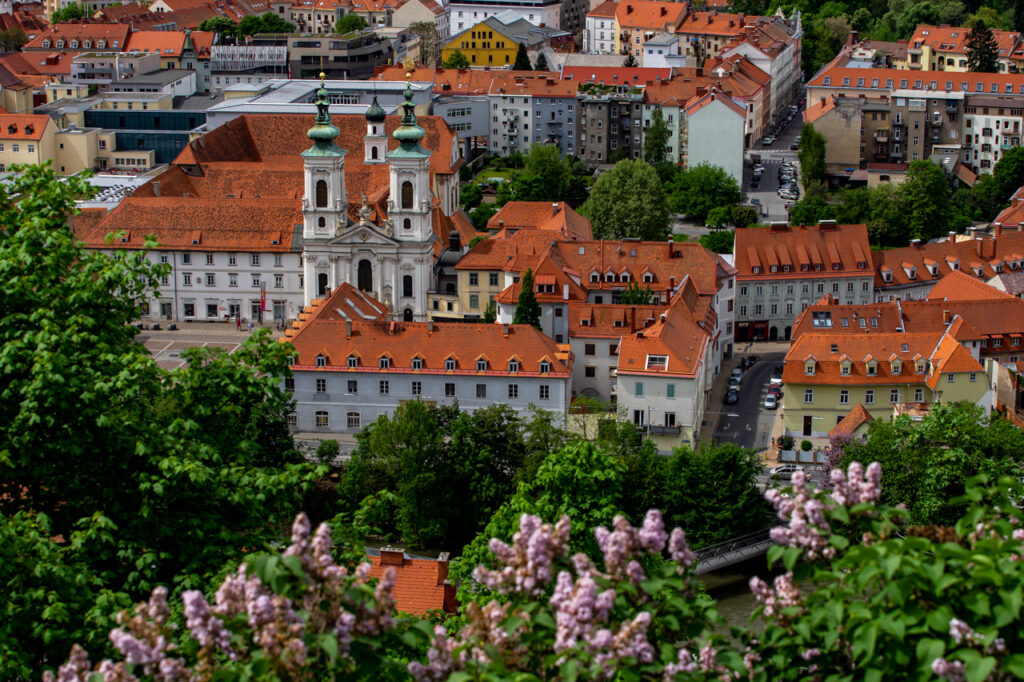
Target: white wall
[(716, 137)]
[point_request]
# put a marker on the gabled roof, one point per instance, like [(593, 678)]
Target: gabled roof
[(610, 320), (604, 10), (541, 215), (957, 286), (800, 251), (677, 337), (22, 126), (720, 24), (616, 75), (986, 254), (698, 103), (649, 13), (115, 35), (818, 109), (344, 303), (953, 39), (853, 420)]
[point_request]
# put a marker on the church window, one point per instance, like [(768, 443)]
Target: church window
[(373, 152), (406, 194), (406, 224), (321, 193), (365, 275), (322, 222), (407, 286)]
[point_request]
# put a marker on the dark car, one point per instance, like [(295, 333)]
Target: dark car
[(795, 146), (732, 396)]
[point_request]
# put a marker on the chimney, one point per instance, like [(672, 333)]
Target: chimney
[(952, 236), (664, 11), (662, 317), (739, 19), (669, 248), (391, 557), (430, 326), (554, 209), (629, 9), (916, 243), (391, 328), (442, 567), (348, 329), (156, 188), (504, 330)]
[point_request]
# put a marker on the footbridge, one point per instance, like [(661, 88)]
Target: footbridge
[(734, 551)]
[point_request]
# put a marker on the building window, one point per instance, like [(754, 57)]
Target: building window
[(186, 279), (353, 362), (545, 392), (590, 372), (289, 384), (493, 279), (321, 385), (844, 397), (589, 349), (513, 391), (481, 365), (292, 420), (918, 395), (352, 419), (449, 365), (209, 259), (254, 259), (417, 363), (417, 388), (950, 378), (232, 279), (808, 395), (278, 281), (321, 419), (670, 391), (353, 387), (481, 390), (384, 363), (639, 389), (321, 361), (869, 397), (449, 390), (385, 387), (894, 395), (974, 376), (513, 366), (474, 301)]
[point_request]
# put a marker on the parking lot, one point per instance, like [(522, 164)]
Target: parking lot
[(166, 346), (772, 156)]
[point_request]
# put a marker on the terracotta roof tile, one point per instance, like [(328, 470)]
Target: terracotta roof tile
[(699, 102), (830, 250), (953, 39), (420, 584), (541, 215), (957, 286), (677, 337), (818, 109), (115, 35), (649, 14), (716, 23), (610, 75), (23, 126), (605, 9), (853, 420), (345, 303), (947, 257)]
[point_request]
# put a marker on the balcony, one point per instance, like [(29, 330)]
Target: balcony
[(555, 122), (665, 430), (513, 141), (1005, 145), (882, 135), (951, 107)]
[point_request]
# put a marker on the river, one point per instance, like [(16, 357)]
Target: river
[(730, 588)]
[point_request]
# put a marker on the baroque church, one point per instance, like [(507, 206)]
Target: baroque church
[(255, 222)]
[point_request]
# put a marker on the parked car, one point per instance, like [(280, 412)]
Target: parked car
[(755, 202), (737, 373), (770, 402), (732, 396), (734, 383), (785, 471), (775, 390), (795, 146), (776, 379), (768, 141)]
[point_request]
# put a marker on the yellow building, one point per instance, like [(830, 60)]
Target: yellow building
[(483, 45), (37, 138), (26, 138), (944, 48), (636, 22), (826, 374)]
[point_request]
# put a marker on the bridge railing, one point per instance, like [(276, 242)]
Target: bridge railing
[(734, 550)]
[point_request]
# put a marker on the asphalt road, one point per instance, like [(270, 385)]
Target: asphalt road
[(747, 423)]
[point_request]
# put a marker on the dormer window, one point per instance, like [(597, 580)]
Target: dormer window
[(773, 268), (911, 272), (862, 265), (74, 45), (809, 368), (513, 366), (896, 367), (46, 43), (872, 368), (887, 275), (384, 363), (417, 363), (353, 362), (87, 44), (624, 277), (449, 365), (648, 277), (844, 369), (60, 44), (291, 360), (609, 277), (787, 268), (595, 277), (545, 367), (481, 365), (657, 361), (321, 360), (804, 267), (755, 269), (100, 44), (919, 367)]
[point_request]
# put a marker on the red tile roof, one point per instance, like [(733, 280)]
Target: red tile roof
[(794, 252), (605, 9), (168, 43), (676, 336), (818, 109), (853, 420), (716, 23), (610, 320), (541, 215), (552, 285), (975, 257), (115, 35), (649, 14), (344, 303), (22, 126), (612, 75), (421, 585), (888, 79), (957, 286), (698, 103), (953, 39), (484, 81)]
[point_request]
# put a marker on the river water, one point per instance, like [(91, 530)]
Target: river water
[(730, 588)]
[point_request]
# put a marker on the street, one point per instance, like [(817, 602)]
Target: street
[(747, 423)]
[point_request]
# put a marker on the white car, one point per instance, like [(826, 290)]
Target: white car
[(785, 471), (770, 403)]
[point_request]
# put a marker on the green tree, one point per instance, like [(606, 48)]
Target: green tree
[(926, 465), (490, 312), (456, 60), (744, 216), (925, 200), (542, 63), (430, 50), (718, 217), (1008, 174), (222, 26), (855, 206), (628, 201), (637, 295), (522, 62), (656, 137), (527, 308), (12, 39), (350, 22), (327, 452), (698, 190), (268, 22), (549, 172), (811, 155), (629, 62), (719, 241), (68, 13), (481, 214), (981, 48), (809, 211), (471, 196)]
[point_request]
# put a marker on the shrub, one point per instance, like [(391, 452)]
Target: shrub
[(806, 445)]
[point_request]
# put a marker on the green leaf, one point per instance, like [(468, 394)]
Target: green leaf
[(978, 670), (570, 670), (329, 644)]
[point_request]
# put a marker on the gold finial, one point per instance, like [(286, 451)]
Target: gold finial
[(409, 64), (322, 77)]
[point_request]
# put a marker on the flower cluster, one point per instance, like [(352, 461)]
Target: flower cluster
[(855, 487), (528, 561), (274, 627), (784, 595)]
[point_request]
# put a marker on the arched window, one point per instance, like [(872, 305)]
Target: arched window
[(321, 193), (365, 275), (373, 152), (322, 222), (407, 317), (406, 224), (321, 284), (407, 286), (406, 194)]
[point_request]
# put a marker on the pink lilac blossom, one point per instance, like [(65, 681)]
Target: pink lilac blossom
[(784, 595), (528, 561), (439, 658), (962, 632), (679, 550), (684, 663), (206, 627), (949, 670)]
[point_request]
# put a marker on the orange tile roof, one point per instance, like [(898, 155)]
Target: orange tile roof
[(953, 39), (433, 343), (974, 257), (715, 23), (421, 585), (853, 420), (676, 336), (698, 103), (23, 126), (344, 303), (484, 81), (649, 13), (118, 12), (115, 35), (541, 215), (169, 43), (610, 320), (547, 273), (887, 79), (818, 109), (800, 251), (605, 9), (1012, 215), (957, 286), (612, 75)]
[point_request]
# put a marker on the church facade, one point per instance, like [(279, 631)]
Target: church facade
[(252, 223)]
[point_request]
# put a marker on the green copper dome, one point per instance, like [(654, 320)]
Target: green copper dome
[(375, 114), (323, 132), (409, 134)]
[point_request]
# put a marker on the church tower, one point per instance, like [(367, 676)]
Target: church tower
[(375, 142), (324, 204), (409, 206)]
